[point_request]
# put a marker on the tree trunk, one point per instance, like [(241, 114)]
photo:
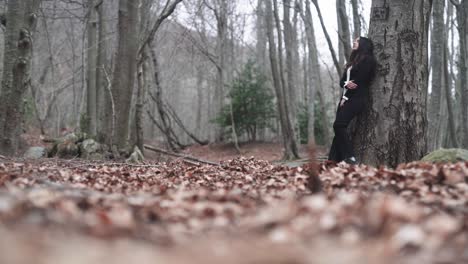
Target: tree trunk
[(393, 128), (296, 58), (450, 84), (142, 71), (356, 19), (103, 98), (221, 41), (291, 67), (261, 50), (125, 67), (164, 124), (462, 15), (344, 45), (314, 72), (91, 71), (343, 30), (435, 98), (21, 21), (448, 97), (290, 148), (141, 92)]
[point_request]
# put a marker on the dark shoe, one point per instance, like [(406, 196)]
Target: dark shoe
[(351, 161)]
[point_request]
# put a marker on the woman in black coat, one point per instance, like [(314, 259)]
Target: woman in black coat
[(355, 81)]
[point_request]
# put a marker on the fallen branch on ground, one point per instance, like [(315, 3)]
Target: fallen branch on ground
[(185, 157)]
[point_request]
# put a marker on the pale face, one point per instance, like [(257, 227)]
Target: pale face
[(356, 44)]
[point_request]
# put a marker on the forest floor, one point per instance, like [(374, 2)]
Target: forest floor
[(260, 150), (244, 211)]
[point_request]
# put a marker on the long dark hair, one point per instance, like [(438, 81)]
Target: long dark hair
[(365, 49)]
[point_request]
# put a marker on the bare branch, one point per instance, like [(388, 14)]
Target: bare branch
[(455, 3), (166, 12)]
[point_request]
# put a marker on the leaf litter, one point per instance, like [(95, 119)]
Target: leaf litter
[(244, 211)]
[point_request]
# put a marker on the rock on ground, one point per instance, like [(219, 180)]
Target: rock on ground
[(447, 155), (35, 153)]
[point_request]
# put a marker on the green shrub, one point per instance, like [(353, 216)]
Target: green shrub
[(252, 104)]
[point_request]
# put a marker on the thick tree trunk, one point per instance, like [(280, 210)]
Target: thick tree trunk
[(21, 20), (435, 98), (290, 148), (393, 128), (125, 67)]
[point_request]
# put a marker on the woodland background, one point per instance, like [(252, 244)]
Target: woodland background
[(170, 67), (89, 84)]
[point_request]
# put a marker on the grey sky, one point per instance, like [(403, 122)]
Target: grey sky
[(328, 9)]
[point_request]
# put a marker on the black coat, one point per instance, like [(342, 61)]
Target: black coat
[(362, 74)]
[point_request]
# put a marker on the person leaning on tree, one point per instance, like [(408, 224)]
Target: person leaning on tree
[(357, 76)]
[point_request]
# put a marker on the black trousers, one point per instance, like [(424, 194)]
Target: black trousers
[(341, 146)]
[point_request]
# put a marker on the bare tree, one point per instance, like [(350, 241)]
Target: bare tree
[(290, 148), (220, 9), (315, 86)]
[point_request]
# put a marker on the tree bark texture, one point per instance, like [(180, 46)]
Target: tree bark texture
[(21, 20), (393, 128), (125, 67), (91, 70), (104, 107), (435, 99), (291, 67), (462, 19), (448, 97)]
